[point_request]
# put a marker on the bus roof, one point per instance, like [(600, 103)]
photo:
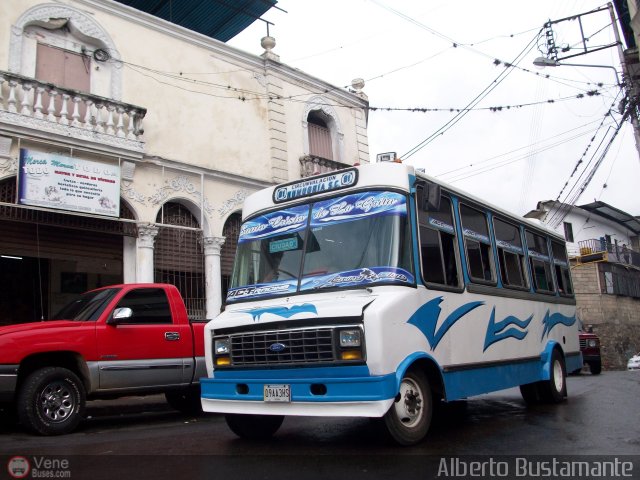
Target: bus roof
[(377, 175)]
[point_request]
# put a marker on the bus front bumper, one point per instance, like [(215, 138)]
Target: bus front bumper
[(336, 391)]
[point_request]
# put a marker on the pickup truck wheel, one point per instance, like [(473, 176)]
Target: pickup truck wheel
[(185, 401), (51, 401), (554, 390), (254, 427), (595, 368)]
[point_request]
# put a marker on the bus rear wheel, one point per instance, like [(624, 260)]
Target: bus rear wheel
[(409, 418), (554, 390)]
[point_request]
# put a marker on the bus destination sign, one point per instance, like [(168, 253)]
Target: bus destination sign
[(320, 184)]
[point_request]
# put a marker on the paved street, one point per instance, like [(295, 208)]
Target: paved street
[(600, 418)]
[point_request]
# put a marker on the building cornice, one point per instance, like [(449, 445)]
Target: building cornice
[(230, 54)]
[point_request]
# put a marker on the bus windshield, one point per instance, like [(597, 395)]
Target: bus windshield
[(351, 241)]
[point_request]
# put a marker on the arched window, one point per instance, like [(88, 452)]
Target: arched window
[(65, 46), (319, 135)]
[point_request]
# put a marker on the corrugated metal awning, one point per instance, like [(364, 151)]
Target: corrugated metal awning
[(611, 213), (219, 19)]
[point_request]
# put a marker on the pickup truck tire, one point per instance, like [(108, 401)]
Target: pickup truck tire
[(595, 368), (185, 401), (254, 427), (51, 401)]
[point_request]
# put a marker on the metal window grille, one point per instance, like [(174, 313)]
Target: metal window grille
[(179, 256), (320, 141)]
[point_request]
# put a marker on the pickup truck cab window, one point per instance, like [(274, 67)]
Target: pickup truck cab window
[(148, 306)]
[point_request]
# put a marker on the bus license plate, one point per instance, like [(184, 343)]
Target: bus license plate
[(277, 393)]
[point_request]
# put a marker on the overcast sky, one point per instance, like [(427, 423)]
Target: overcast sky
[(443, 55)]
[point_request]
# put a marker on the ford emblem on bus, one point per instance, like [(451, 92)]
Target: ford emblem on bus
[(319, 184), (277, 347)]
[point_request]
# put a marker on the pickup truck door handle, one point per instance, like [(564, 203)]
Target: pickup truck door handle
[(171, 336)]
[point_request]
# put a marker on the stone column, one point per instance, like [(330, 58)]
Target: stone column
[(146, 238), (213, 275)]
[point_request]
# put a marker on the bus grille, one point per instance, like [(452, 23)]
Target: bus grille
[(300, 346)]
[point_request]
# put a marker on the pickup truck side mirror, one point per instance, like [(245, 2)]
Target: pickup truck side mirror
[(120, 314)]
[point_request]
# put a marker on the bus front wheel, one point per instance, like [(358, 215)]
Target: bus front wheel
[(409, 418), (254, 427)]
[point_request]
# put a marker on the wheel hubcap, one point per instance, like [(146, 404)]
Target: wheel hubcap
[(557, 376), (56, 402), (409, 404)]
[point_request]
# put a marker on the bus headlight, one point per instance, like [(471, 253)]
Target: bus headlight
[(222, 351), (350, 338), (222, 346), (350, 344)]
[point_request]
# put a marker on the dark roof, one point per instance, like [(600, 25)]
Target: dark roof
[(219, 19), (611, 213)]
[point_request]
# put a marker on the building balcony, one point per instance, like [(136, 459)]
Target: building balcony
[(48, 112), (313, 165), (599, 250)]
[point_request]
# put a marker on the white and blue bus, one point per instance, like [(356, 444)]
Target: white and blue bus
[(377, 291)]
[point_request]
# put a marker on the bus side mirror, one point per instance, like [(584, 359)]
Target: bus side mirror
[(428, 194)]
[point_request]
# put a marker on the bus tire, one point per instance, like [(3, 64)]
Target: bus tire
[(530, 393), (186, 401), (254, 427), (51, 401), (409, 418), (554, 390)]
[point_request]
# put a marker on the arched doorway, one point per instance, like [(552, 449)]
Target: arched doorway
[(178, 256)]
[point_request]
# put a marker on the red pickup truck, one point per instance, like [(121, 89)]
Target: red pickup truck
[(114, 341)]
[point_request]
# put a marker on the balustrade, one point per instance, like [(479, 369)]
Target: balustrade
[(313, 165), (49, 107)]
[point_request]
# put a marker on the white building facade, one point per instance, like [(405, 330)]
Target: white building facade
[(128, 144)]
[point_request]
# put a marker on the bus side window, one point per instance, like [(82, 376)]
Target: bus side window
[(561, 266), (477, 245), (540, 262), (510, 254), (438, 245)]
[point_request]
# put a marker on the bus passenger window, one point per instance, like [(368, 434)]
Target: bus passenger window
[(540, 262), (561, 266), (438, 245), (477, 245), (510, 254)]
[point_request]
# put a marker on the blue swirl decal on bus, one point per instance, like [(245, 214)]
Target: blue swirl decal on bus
[(283, 221), (553, 319), (361, 276), (356, 206), (262, 290), (497, 331), (280, 311), (426, 319)]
